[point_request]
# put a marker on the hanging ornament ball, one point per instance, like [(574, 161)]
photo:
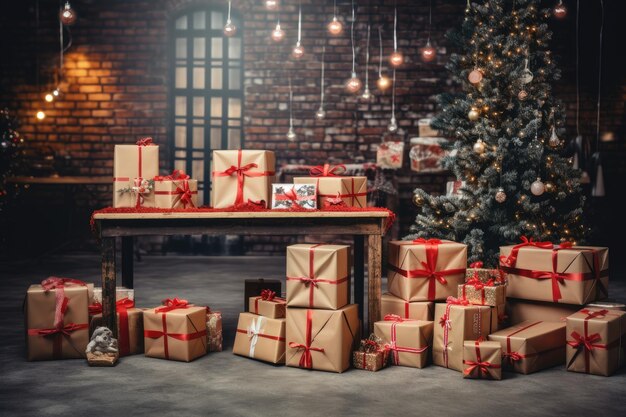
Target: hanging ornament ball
[(475, 76), (500, 195), (271, 4), (428, 53), (396, 59), (67, 15), (418, 200), (49, 97), (278, 34), (522, 95), (291, 135), (298, 51), (320, 113), (479, 147), (526, 77), (393, 125), (353, 85), (473, 114), (560, 11), (383, 83), (335, 27), (554, 140), (537, 187), (230, 29), (40, 115), (549, 187)]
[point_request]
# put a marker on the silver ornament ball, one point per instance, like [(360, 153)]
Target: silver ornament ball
[(537, 187), (500, 195)]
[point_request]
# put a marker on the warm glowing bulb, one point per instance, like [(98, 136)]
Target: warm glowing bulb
[(335, 27), (353, 85), (560, 11), (41, 115), (393, 125), (383, 83), (367, 94), (49, 97), (229, 29), (396, 59), (271, 4), (278, 34), (67, 15), (56, 92), (298, 51), (291, 134), (428, 52), (320, 113)]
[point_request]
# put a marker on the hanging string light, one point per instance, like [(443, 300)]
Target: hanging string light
[(353, 85), (367, 95), (229, 28), (560, 11), (335, 27), (383, 82), (271, 4), (298, 50), (321, 113), (67, 15), (278, 34), (396, 58), (537, 187), (428, 52), (597, 190), (393, 124), (291, 133)]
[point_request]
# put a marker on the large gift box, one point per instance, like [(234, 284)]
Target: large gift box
[(129, 325), (518, 310), (389, 155), (134, 167), (317, 276), (426, 270), (371, 354), (596, 341), (175, 191), (57, 325), (416, 310), (268, 304), (242, 177), (408, 341), (532, 345), (176, 330), (322, 339), (482, 359), (260, 338), (455, 322), (215, 337), (286, 196), (562, 274), (333, 189)]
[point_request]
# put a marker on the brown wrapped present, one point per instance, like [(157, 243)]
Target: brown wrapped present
[(407, 340), (215, 338), (129, 325), (532, 345), (519, 311), (499, 319), (416, 310), (57, 324), (371, 354), (120, 292), (322, 339), (253, 287), (482, 294), (426, 270), (268, 304), (242, 177), (175, 191), (317, 276), (562, 274), (333, 189), (456, 322), (260, 338), (425, 130), (176, 331), (482, 360), (596, 341), (134, 167)]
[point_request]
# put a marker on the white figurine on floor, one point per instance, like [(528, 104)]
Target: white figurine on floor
[(102, 341)]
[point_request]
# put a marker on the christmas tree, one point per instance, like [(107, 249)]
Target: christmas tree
[(518, 179)]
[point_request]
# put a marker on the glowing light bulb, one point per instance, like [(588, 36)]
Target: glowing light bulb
[(396, 59), (428, 53), (383, 83), (320, 113), (353, 85), (393, 125), (335, 27), (40, 115), (291, 134), (271, 4), (67, 15), (560, 11), (230, 29), (278, 34), (298, 51), (56, 92), (49, 97), (367, 94)]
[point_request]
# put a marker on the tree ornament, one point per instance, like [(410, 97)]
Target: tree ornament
[(537, 187), (298, 50), (479, 147), (522, 95), (549, 187), (271, 4), (353, 85), (554, 140), (67, 15), (526, 76), (418, 200), (560, 11), (500, 195), (473, 114), (230, 29), (278, 34), (335, 27), (475, 76)]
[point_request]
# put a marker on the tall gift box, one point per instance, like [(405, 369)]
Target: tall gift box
[(334, 189), (416, 310), (317, 276), (322, 339), (57, 321), (408, 341), (558, 273), (129, 322), (268, 304), (176, 331), (215, 337), (175, 191), (596, 341), (482, 359), (260, 338), (242, 177), (426, 269), (532, 345), (455, 322), (134, 167)]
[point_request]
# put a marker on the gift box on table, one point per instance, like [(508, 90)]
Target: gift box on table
[(57, 325), (175, 191), (322, 339), (426, 270), (455, 322), (317, 276), (260, 338), (129, 322), (416, 310), (254, 287), (134, 167), (242, 177), (286, 196), (334, 189), (407, 340), (371, 354), (215, 337), (389, 155), (268, 304), (482, 359), (176, 330), (518, 310), (532, 345), (596, 341), (559, 273)]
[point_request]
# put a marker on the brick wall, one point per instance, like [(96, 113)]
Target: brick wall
[(115, 85)]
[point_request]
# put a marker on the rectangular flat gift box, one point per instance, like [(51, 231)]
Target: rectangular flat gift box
[(260, 338)]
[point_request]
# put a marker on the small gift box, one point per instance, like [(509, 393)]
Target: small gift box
[(175, 191), (482, 293), (253, 287), (416, 310), (334, 189), (389, 155), (476, 272), (268, 304), (425, 130), (286, 196), (407, 340), (371, 354), (426, 154), (482, 359), (215, 337), (596, 341), (120, 292), (134, 167), (260, 338), (129, 325)]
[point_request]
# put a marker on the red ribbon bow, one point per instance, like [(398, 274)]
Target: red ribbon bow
[(241, 172), (268, 295), (395, 317), (61, 301), (170, 304), (185, 193), (58, 332), (512, 258), (177, 174), (587, 342), (145, 142), (477, 264), (327, 171), (306, 360)]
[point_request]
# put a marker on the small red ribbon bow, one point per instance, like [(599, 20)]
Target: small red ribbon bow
[(66, 330), (482, 367), (306, 360), (584, 341), (477, 264), (513, 356), (170, 304), (427, 241), (268, 295), (185, 194), (123, 304), (444, 322), (457, 301), (177, 174), (145, 142), (52, 283), (512, 258), (327, 171), (394, 317), (334, 201)]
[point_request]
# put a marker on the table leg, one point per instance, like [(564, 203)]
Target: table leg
[(108, 284), (359, 274), (128, 254), (374, 278)]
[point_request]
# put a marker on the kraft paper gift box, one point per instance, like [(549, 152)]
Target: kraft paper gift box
[(485, 275), (268, 304), (317, 276), (254, 287), (596, 341), (131, 165), (371, 354), (120, 292), (482, 360), (389, 155), (543, 272), (425, 270), (408, 341), (456, 322), (531, 346), (322, 339), (425, 130), (129, 325), (175, 192), (215, 337), (242, 177), (426, 154), (518, 310), (57, 328), (286, 196), (260, 338), (175, 331), (334, 189), (482, 294), (416, 310)]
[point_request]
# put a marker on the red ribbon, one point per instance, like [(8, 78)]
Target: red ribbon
[(393, 346), (478, 286), (327, 171), (121, 307), (477, 264), (352, 194), (176, 175), (444, 321), (61, 301), (292, 196), (147, 141), (267, 295), (306, 360), (482, 366), (587, 342), (511, 260), (58, 332), (516, 356), (170, 304)]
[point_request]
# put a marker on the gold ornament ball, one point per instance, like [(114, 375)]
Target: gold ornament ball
[(522, 95), (383, 83), (335, 27), (298, 51), (230, 29), (473, 115), (479, 147), (396, 59), (278, 34), (500, 195), (475, 76), (353, 85), (418, 200)]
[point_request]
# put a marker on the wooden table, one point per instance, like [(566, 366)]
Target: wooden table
[(358, 224)]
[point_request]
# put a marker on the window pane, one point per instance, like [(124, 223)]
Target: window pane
[(199, 20), (180, 164), (216, 48), (216, 138), (199, 47), (198, 106), (181, 22), (234, 107), (198, 138), (216, 107), (197, 169), (234, 48), (181, 77), (180, 154), (198, 77), (181, 106), (234, 138), (216, 78), (180, 136), (181, 48), (217, 20), (234, 79)]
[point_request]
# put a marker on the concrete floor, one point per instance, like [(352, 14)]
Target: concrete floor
[(224, 384)]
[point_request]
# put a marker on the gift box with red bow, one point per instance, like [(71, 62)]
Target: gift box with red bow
[(389, 155), (268, 304), (176, 330), (129, 325), (408, 341), (477, 272), (333, 189), (482, 359), (416, 310), (286, 196), (134, 167), (480, 293), (261, 338), (561, 273), (175, 191), (371, 354), (215, 337), (596, 341)]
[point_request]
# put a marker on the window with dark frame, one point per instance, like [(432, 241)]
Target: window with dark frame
[(206, 91)]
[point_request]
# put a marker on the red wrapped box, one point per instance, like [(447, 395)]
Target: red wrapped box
[(129, 322), (482, 360), (426, 154), (371, 354)]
